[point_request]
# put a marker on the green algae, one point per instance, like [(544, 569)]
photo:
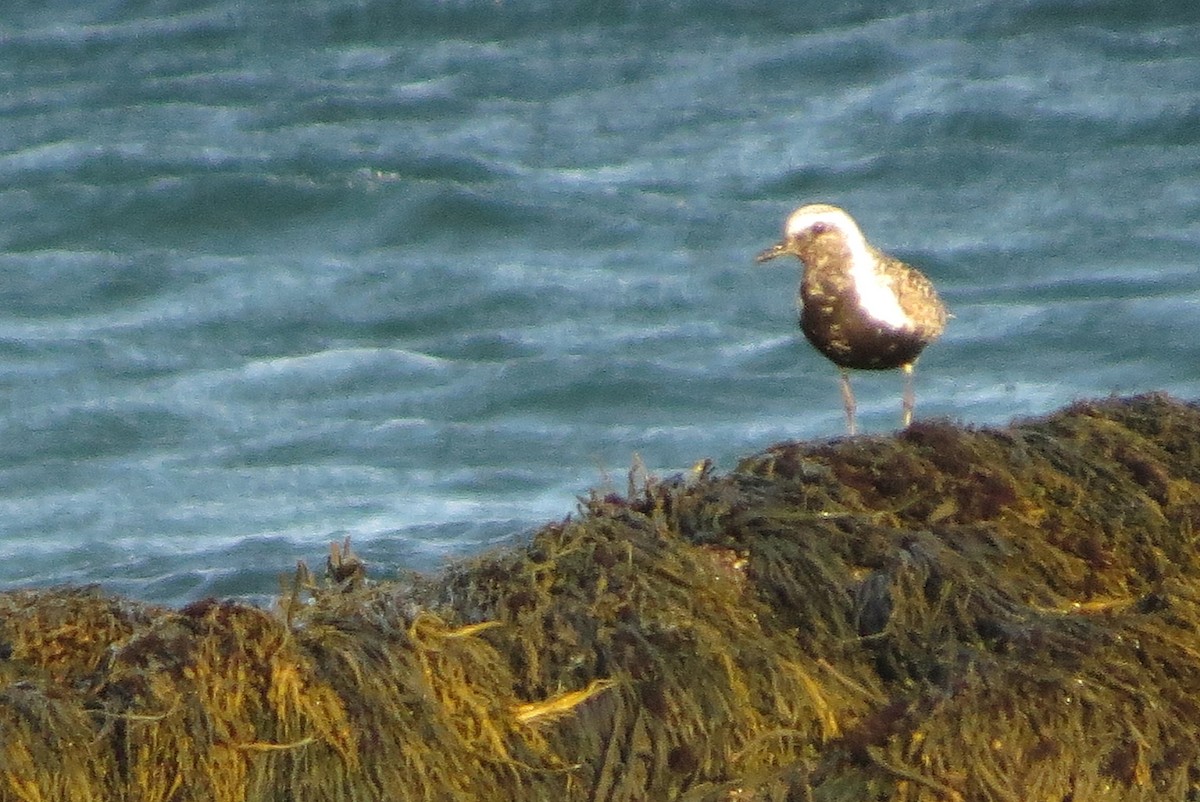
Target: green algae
[(944, 614)]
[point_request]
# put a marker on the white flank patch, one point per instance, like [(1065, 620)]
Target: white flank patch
[(876, 297)]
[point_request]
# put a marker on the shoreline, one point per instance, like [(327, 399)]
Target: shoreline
[(943, 613)]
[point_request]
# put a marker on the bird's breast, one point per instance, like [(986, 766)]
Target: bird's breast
[(856, 323)]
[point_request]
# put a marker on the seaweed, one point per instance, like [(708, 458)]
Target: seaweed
[(948, 613)]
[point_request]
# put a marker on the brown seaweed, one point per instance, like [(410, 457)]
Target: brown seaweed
[(948, 613)]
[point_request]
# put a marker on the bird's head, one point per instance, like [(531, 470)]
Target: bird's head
[(810, 223)]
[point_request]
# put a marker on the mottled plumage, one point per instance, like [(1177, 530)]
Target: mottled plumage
[(858, 306)]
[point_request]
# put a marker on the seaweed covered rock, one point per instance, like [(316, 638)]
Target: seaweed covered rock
[(943, 614)]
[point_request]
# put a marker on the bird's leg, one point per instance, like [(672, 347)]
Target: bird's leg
[(847, 399), (910, 396)]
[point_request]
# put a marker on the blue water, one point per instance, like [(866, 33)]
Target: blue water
[(421, 273)]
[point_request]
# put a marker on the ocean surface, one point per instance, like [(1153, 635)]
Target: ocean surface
[(422, 272)]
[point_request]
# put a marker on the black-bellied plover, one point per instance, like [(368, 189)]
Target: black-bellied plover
[(859, 307)]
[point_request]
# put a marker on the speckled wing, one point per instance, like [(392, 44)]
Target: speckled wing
[(916, 296)]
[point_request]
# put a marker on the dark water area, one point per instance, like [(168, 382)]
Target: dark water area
[(421, 273)]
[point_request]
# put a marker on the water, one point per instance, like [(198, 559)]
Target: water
[(421, 273)]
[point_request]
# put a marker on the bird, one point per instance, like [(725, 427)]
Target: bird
[(861, 308)]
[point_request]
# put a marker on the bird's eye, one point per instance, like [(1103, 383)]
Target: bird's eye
[(819, 227)]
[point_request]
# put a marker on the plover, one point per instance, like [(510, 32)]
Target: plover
[(859, 307)]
